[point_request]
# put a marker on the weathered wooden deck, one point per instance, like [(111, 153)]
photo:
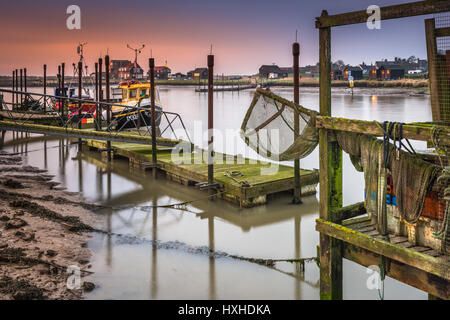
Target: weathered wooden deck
[(249, 189)]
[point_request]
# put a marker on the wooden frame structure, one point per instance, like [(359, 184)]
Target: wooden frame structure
[(337, 241)]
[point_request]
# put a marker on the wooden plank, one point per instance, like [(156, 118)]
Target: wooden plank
[(396, 252), (387, 13), (410, 131), (350, 211), (330, 179), (432, 68), (84, 133), (412, 276), (442, 32)]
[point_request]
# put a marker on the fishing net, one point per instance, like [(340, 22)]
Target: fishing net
[(412, 177), (268, 128)]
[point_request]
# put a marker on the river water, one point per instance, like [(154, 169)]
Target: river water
[(166, 254)]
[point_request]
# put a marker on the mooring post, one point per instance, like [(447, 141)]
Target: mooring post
[(210, 122), (153, 116), (100, 91), (108, 107), (25, 81), (63, 92), (13, 89), (97, 114), (45, 88), (17, 88), (297, 186), (80, 105), (21, 86), (330, 179), (59, 88)]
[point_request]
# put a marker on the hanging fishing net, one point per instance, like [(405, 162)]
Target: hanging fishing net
[(412, 177), (268, 128)]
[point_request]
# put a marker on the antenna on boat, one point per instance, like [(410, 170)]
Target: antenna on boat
[(136, 52)]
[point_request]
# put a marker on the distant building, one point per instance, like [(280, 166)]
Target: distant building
[(161, 72), (336, 74), (119, 69), (198, 73), (178, 75), (389, 70), (355, 72), (272, 72)]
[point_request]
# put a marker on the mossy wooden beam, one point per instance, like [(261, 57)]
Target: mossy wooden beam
[(83, 133), (348, 212), (330, 179), (410, 131), (436, 266), (407, 274), (389, 12)]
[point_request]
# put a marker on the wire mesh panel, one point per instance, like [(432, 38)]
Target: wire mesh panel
[(268, 128)]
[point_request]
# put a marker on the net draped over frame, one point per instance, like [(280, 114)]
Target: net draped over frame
[(268, 128)]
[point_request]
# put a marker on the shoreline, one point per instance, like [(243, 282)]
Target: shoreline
[(43, 231)]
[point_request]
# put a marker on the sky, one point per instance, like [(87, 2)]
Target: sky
[(244, 34)]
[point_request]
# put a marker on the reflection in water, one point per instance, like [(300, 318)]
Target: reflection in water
[(154, 283), (277, 230)]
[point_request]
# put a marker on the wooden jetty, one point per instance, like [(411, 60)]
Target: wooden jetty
[(248, 189), (346, 232), (227, 88)]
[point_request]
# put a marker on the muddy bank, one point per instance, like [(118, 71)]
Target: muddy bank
[(43, 231)]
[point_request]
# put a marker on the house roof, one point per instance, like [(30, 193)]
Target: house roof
[(271, 69)]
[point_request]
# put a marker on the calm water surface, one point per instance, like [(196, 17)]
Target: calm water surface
[(141, 270)]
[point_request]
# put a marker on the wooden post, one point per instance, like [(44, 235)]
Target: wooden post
[(45, 88), (100, 91), (17, 88), (153, 115), (13, 89), (63, 91), (330, 179), (97, 114), (439, 86), (210, 121), (21, 86), (297, 186), (25, 80), (80, 104), (59, 86), (108, 108)]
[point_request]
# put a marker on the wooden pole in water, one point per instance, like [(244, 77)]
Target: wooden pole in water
[(297, 186), (108, 108), (21, 86), (45, 88), (13, 88), (17, 88), (25, 80), (80, 104), (100, 91), (97, 114), (63, 91), (210, 121), (330, 180), (153, 115), (59, 88)]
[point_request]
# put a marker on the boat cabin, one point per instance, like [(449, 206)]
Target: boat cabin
[(134, 90)]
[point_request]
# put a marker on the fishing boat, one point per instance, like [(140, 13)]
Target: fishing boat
[(135, 94), (72, 107)]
